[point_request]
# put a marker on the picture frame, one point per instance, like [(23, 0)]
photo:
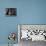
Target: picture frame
[(11, 11)]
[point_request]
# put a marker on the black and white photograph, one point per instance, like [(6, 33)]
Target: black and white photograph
[(11, 11)]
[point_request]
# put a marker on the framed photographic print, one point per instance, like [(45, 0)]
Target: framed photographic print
[(11, 11)]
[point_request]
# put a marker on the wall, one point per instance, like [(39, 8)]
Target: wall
[(28, 12)]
